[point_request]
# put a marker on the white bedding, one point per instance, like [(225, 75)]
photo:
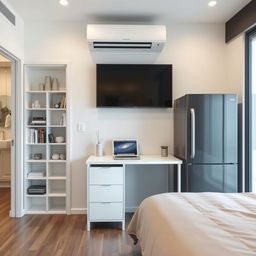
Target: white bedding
[(196, 224)]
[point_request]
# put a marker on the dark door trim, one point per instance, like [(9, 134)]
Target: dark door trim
[(248, 169)]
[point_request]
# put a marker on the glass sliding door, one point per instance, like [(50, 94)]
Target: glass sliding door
[(250, 111)]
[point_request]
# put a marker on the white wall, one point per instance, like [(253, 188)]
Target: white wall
[(235, 66), (12, 37), (198, 55)]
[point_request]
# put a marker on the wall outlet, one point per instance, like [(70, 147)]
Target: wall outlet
[(81, 127)]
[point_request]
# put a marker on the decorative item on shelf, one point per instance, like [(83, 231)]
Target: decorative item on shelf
[(99, 146), (38, 156), (56, 105), (55, 156), (41, 86), (164, 151), (48, 83), (55, 84), (58, 157), (51, 138), (36, 104), (62, 157), (59, 139), (63, 119)]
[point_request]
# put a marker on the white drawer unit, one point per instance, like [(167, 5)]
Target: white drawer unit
[(106, 175), (106, 211), (105, 194)]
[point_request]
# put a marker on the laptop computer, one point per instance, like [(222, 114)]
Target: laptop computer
[(125, 149)]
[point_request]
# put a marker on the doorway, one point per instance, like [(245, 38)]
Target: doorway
[(11, 151), (5, 134)]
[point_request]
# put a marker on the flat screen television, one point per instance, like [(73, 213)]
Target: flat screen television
[(121, 85)]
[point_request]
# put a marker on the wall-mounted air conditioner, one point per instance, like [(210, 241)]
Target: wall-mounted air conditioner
[(125, 43)]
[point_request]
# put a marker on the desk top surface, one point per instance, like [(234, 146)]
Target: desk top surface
[(144, 159)]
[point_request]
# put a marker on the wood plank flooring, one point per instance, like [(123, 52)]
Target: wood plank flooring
[(57, 235)]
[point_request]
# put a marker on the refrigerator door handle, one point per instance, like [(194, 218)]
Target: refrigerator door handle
[(193, 133)]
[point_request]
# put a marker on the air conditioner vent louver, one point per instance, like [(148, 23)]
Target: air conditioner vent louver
[(122, 45), (7, 13)]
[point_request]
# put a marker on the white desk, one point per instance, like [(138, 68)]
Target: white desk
[(106, 185)]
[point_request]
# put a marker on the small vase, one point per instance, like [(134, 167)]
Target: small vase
[(48, 83), (55, 84), (99, 149)]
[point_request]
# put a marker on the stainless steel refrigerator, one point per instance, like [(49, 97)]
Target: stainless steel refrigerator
[(206, 139)]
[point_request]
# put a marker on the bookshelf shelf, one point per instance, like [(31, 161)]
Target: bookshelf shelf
[(51, 107)]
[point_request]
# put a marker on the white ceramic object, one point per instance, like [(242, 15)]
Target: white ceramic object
[(55, 157), (36, 104), (48, 86), (99, 149), (59, 139), (62, 157), (55, 84)]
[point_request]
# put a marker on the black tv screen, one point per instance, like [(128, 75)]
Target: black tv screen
[(121, 85)]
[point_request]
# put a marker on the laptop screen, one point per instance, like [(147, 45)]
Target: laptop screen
[(125, 147)]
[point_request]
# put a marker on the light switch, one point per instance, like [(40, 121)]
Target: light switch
[(81, 127)]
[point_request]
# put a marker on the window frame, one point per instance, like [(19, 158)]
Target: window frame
[(248, 110)]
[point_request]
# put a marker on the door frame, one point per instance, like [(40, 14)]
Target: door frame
[(17, 131)]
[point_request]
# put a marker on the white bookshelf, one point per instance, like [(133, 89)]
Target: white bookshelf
[(55, 172)]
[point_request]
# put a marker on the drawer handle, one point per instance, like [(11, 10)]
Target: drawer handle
[(106, 185), (105, 202)]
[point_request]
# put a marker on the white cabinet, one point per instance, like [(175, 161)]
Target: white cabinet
[(46, 138), (105, 194)]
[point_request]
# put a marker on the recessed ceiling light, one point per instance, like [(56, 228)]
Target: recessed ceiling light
[(64, 2), (212, 3)]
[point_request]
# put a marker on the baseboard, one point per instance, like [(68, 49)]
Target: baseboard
[(131, 209), (84, 210), (78, 211)]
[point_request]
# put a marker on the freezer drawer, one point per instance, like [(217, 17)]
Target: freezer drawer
[(210, 178)]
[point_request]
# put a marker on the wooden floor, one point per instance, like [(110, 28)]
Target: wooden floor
[(55, 235)]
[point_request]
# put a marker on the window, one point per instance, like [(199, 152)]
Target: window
[(250, 112)]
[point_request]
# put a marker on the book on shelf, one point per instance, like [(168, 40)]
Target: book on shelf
[(36, 136), (63, 102), (38, 121), (36, 190), (38, 174)]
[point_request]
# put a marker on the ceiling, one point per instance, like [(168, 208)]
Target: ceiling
[(121, 11)]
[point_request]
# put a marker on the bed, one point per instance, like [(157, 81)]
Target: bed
[(196, 224)]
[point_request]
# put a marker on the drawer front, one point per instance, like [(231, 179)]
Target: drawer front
[(106, 175), (106, 211), (106, 193)]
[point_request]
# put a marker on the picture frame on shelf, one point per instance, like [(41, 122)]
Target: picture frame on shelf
[(51, 138)]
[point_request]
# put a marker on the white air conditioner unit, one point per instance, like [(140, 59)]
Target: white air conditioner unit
[(125, 43)]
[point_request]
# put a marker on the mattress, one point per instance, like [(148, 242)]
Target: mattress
[(196, 224)]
